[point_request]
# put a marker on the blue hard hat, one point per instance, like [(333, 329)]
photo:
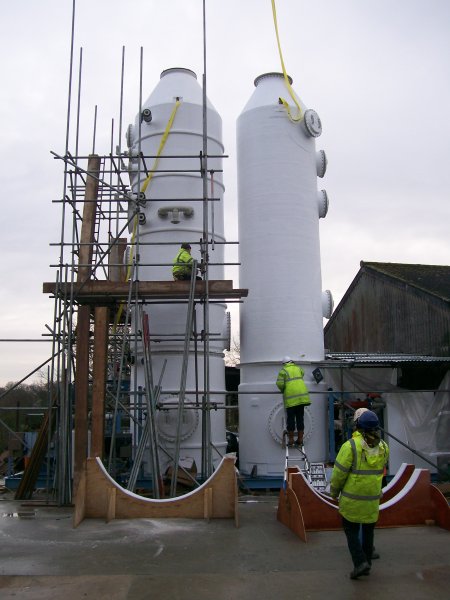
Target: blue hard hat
[(368, 421)]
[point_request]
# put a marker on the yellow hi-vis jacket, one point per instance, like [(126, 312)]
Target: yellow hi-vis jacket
[(290, 382), (184, 257), (357, 477)]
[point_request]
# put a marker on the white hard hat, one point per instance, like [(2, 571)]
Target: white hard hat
[(287, 359), (358, 412)]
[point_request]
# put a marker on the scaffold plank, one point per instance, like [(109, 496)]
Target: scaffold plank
[(105, 292)]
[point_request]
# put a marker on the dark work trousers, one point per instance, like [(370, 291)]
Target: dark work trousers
[(360, 548), (185, 277), (295, 414)]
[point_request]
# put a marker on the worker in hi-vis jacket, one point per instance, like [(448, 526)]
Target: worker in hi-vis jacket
[(183, 263), (295, 397), (357, 479)]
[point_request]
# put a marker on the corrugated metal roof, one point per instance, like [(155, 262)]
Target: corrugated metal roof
[(383, 359), (433, 279)]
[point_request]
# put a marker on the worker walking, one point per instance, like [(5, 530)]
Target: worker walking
[(295, 397), (358, 412), (183, 263), (357, 479)]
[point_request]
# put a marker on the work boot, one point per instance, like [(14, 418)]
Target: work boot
[(299, 441), (362, 569), (290, 438)]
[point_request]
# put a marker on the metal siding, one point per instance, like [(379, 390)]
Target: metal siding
[(383, 316)]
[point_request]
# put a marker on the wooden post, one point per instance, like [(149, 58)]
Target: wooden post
[(83, 322), (116, 268), (99, 377), (80, 500), (81, 393), (207, 503), (111, 506), (88, 225)]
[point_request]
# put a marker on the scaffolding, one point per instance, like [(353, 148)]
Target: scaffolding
[(92, 333), (99, 318)]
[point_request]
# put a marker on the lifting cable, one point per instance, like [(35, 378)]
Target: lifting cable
[(282, 101), (143, 190)]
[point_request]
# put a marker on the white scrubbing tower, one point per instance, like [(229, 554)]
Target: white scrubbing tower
[(172, 213), (279, 211)]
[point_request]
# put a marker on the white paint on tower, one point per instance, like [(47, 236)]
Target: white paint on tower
[(279, 211), (173, 213)]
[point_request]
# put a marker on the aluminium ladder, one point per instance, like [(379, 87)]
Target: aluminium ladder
[(314, 472)]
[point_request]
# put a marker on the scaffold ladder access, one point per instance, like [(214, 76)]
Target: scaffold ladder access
[(314, 472)]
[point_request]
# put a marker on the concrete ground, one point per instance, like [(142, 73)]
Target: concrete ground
[(43, 558)]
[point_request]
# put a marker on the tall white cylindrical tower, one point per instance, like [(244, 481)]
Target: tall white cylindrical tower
[(279, 211), (172, 213)]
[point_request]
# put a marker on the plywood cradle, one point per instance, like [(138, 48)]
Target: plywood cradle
[(410, 499), (99, 496)]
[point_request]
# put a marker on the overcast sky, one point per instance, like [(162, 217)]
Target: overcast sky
[(376, 71)]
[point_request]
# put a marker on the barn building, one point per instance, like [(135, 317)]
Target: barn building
[(389, 338)]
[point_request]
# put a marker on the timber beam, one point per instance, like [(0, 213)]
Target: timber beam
[(105, 292)]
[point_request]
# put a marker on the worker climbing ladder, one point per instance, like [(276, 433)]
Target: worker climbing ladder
[(314, 472)]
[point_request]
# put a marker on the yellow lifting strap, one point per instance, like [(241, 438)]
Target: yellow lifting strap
[(161, 145), (149, 178), (143, 189), (299, 117)]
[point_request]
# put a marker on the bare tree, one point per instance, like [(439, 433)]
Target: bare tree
[(233, 355)]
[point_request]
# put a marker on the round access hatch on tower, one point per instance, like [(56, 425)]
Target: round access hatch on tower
[(167, 421), (313, 123), (277, 422)]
